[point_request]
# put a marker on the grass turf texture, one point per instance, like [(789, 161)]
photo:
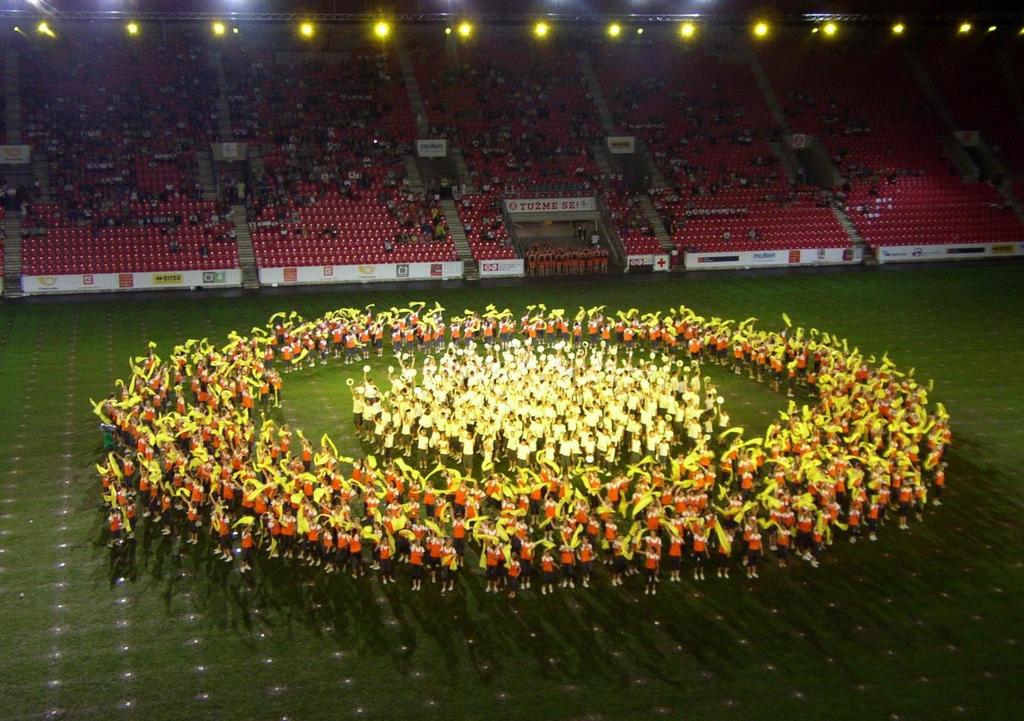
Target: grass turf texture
[(920, 625)]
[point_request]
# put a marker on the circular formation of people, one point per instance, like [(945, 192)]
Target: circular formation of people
[(550, 449)]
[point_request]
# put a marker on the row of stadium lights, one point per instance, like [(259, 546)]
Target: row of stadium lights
[(541, 29)]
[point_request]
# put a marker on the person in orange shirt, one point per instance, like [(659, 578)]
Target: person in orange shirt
[(675, 558), (618, 562), (245, 559), (547, 569), (586, 556), (195, 522), (753, 553), (700, 554), (416, 561), (939, 483), (853, 522), (526, 560), (783, 540), (287, 533), (906, 501), (459, 536), (449, 564), (513, 572), (351, 348), (493, 557), (433, 556), (567, 560), (115, 522), (355, 554), (384, 563), (652, 558)]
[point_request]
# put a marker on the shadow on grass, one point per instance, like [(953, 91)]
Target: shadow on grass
[(614, 634)]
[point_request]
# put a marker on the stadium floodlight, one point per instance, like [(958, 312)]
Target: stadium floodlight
[(218, 28), (132, 28), (965, 28), (830, 29), (465, 29), (382, 29), (307, 30), (614, 30), (898, 29), (688, 29), (761, 29), (541, 29)]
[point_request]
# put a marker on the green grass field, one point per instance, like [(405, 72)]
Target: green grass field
[(921, 625)]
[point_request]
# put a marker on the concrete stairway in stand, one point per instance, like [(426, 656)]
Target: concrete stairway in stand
[(1012, 84), (12, 96), (206, 178), (768, 92), (412, 89), (12, 256), (41, 172), (594, 88), (938, 103), (246, 253), (221, 105), (654, 218), (412, 174), (782, 151), (854, 235), (470, 268), (597, 151), (462, 170)]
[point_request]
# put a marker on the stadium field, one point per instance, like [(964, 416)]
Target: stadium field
[(920, 625)]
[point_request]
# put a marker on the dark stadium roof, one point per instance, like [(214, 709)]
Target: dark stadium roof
[(582, 8)]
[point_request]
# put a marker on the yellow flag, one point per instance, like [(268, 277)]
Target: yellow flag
[(735, 430), (723, 537)]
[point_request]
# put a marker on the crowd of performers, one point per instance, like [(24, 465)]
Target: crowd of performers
[(196, 452), (514, 403)]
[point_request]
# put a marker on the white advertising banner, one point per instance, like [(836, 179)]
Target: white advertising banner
[(92, 282), (520, 206), (502, 268), (967, 251), (230, 152), (621, 144), (772, 258), (15, 154), (366, 273), (432, 147), (658, 263)]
